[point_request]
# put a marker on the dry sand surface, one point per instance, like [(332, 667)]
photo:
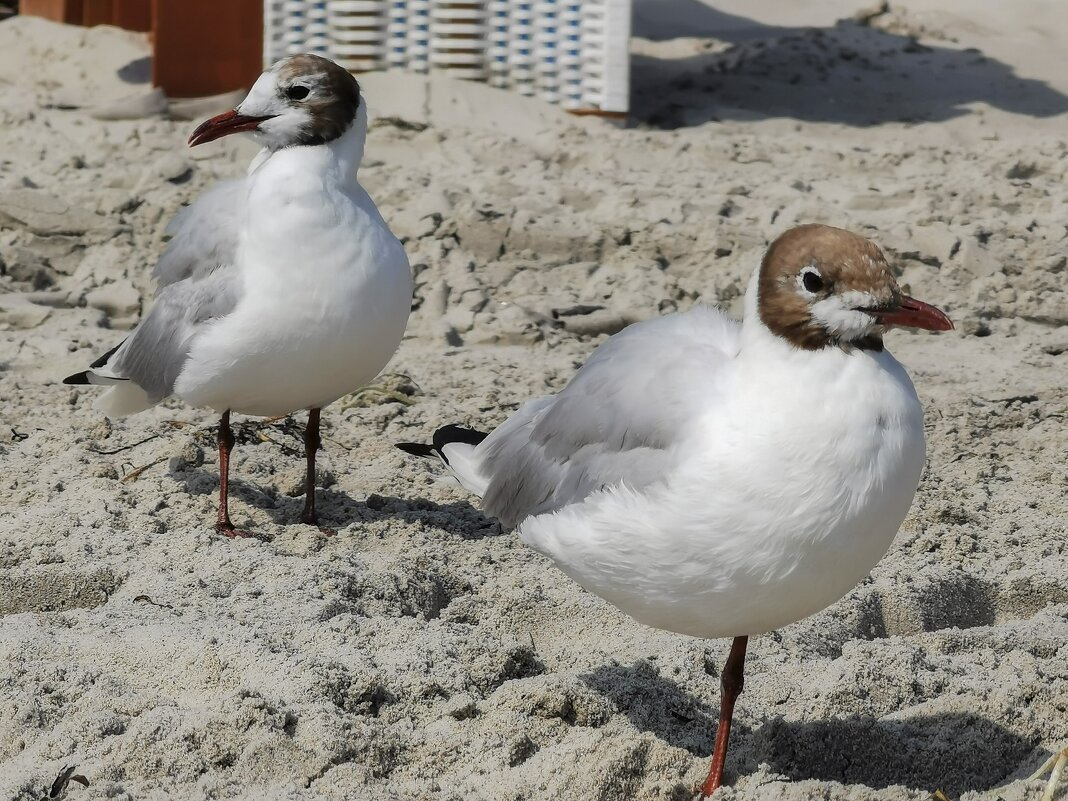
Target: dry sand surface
[(424, 654)]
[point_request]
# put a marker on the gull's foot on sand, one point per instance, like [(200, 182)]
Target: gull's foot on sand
[(228, 530), (312, 519)]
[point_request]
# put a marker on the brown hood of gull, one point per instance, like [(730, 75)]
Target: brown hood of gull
[(846, 262), (333, 116)]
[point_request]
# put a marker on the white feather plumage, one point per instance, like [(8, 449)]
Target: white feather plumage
[(785, 477)]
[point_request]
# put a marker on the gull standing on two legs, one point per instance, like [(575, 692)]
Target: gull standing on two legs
[(720, 479), (281, 291)]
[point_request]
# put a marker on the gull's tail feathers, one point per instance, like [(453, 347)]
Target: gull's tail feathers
[(122, 400), (124, 397), (456, 447)]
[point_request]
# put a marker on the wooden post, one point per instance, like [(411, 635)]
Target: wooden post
[(133, 15), (206, 47), (69, 11), (97, 12)]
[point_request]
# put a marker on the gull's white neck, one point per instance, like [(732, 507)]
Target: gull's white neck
[(339, 159)]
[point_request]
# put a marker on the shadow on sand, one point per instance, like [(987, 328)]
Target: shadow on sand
[(955, 752), (848, 73), (337, 509)]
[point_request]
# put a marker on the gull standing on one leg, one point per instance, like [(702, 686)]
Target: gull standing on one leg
[(720, 479), (281, 291)]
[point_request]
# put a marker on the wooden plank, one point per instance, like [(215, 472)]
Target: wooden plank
[(206, 47), (133, 15), (69, 11), (96, 12)]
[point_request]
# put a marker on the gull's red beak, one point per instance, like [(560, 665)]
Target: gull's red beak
[(913, 314), (223, 125)]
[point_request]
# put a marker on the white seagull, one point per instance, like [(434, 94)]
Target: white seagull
[(281, 291), (716, 478)]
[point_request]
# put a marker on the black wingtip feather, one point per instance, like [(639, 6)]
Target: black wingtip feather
[(416, 448), (83, 377), (104, 359), (442, 437), (453, 433)]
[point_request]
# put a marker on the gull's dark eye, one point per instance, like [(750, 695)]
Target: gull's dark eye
[(297, 92), (812, 281)]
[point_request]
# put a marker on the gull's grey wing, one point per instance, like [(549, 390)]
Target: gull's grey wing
[(204, 235), (155, 353), (196, 282), (617, 422)]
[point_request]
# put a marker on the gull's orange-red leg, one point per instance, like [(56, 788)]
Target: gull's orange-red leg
[(732, 679)]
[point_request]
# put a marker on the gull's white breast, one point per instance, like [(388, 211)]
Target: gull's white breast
[(327, 292), (785, 495)]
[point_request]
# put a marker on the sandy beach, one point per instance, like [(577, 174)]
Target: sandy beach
[(422, 653)]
